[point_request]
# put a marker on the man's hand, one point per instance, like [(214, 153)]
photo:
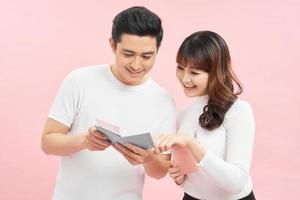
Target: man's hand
[(96, 141), (135, 155)]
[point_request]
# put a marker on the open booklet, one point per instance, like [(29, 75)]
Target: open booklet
[(113, 134), (182, 157)]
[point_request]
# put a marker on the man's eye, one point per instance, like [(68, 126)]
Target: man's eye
[(127, 55), (146, 57)]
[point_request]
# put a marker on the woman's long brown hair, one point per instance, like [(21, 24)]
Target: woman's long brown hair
[(208, 51)]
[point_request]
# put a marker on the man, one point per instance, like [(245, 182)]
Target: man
[(121, 94)]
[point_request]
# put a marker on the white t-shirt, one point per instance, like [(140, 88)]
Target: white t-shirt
[(94, 92), (223, 173)]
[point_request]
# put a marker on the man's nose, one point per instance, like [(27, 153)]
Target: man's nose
[(136, 65)]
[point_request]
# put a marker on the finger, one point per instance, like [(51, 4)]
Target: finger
[(118, 149), (132, 161), (168, 142), (98, 140), (99, 135), (170, 164), (92, 148), (158, 144), (136, 149), (92, 129), (178, 173), (157, 150), (173, 170), (179, 180), (175, 175), (95, 146), (162, 143), (151, 150), (130, 153), (171, 142), (162, 148)]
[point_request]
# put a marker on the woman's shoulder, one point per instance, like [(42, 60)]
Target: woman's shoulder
[(240, 105), (239, 110)]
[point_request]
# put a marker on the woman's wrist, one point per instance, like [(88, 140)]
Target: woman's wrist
[(181, 181), (196, 148)]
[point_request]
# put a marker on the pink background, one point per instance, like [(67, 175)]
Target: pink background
[(41, 41)]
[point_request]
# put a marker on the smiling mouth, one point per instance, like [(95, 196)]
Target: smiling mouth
[(189, 87), (134, 73)]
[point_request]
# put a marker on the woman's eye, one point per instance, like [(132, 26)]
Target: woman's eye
[(195, 73), (179, 68)]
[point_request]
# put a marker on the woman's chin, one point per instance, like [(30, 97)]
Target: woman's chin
[(190, 94)]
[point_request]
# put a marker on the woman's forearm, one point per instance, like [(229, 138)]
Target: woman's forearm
[(156, 166)]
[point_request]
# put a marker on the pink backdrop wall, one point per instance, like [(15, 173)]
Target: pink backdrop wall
[(41, 41)]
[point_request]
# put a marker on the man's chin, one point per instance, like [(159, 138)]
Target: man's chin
[(134, 80)]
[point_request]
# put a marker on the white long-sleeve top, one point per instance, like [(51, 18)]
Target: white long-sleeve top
[(223, 172)]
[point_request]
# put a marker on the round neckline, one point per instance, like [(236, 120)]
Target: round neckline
[(124, 86), (201, 100)]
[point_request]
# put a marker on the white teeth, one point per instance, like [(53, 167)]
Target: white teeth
[(188, 86)]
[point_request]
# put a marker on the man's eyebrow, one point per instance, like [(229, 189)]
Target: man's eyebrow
[(130, 51), (148, 52)]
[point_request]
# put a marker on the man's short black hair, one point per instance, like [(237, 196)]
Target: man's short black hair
[(139, 21)]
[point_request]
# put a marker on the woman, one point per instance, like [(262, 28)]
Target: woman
[(218, 128)]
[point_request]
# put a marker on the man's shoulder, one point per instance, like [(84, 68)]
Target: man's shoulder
[(87, 70), (158, 88), (161, 93)]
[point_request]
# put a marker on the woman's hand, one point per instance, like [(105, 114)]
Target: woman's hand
[(176, 174), (164, 142)]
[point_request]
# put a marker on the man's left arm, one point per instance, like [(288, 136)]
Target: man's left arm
[(156, 165)]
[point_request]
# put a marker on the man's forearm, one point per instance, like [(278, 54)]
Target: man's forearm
[(61, 144)]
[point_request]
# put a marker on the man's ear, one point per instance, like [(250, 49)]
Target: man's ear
[(113, 45)]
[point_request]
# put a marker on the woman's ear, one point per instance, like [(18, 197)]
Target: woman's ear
[(113, 45)]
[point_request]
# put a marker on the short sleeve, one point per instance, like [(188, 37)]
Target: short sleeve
[(65, 105)]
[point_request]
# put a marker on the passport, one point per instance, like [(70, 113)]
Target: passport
[(112, 132)]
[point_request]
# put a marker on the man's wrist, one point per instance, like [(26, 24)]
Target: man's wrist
[(81, 141), (150, 158)]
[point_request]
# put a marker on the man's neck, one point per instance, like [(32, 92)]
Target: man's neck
[(113, 68)]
